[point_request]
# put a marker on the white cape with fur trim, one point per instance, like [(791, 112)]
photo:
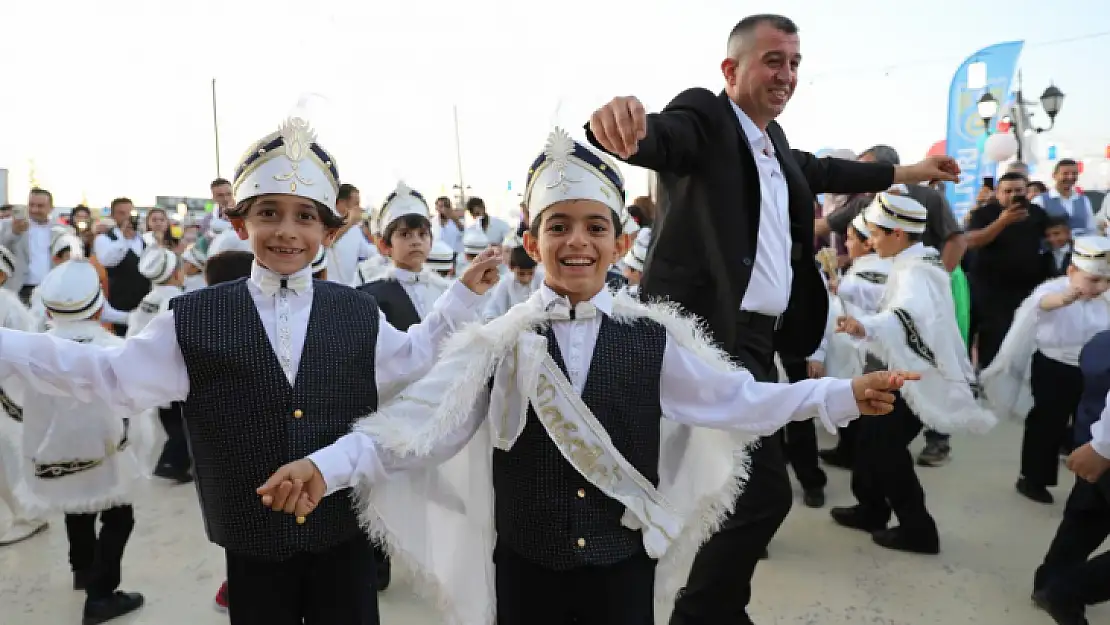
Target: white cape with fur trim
[(82, 456), (1006, 382), (438, 523), (915, 330)]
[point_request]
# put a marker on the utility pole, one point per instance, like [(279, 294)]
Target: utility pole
[(216, 127)]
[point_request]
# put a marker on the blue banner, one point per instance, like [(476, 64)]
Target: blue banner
[(995, 66)]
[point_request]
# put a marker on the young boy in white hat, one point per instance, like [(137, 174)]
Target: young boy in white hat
[(632, 265), (86, 452), (25, 512), (1035, 376), (589, 398), (195, 257), (474, 242), (270, 368), (915, 328), (441, 259), (516, 286)]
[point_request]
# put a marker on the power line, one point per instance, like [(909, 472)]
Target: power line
[(886, 69)]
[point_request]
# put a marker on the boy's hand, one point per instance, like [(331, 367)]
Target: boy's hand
[(482, 274), (834, 286), (296, 488), (1087, 463), (874, 391), (815, 368), (850, 326)]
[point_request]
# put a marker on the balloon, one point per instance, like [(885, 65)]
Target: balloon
[(1000, 147), (938, 148)]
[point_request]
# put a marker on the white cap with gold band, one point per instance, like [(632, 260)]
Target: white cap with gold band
[(158, 264), (441, 257), (474, 241), (288, 162), (71, 291), (859, 224), (7, 261), (403, 201), (896, 212), (1092, 254)]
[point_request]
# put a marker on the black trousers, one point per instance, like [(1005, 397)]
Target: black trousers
[(334, 587), (719, 587), (1066, 573), (846, 441), (529, 594), (883, 478), (995, 309), (175, 453), (799, 438), (1056, 388), (99, 556), (25, 293), (119, 329)]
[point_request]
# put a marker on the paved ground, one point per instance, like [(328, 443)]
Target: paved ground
[(992, 539)]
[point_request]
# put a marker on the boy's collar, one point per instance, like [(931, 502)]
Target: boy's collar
[(260, 275), (603, 300)]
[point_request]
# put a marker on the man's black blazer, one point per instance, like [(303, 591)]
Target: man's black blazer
[(704, 241)]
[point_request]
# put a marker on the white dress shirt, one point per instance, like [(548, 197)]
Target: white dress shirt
[(346, 253), (1062, 333), (691, 391), (508, 293), (110, 253), (769, 289), (449, 234), (38, 252), (1074, 202), (1100, 432), (496, 231), (150, 371), (422, 293)]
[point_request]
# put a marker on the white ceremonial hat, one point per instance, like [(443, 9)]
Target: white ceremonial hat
[(403, 201), (474, 241), (195, 256), (441, 257), (157, 264), (636, 255), (288, 162), (1092, 254), (896, 212), (320, 263), (569, 170), (630, 225), (860, 225), (7, 261), (71, 291), (63, 238)]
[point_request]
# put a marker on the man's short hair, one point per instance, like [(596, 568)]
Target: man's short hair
[(1064, 162), (120, 200), (1013, 176), (1018, 167), (883, 154), (742, 32), (345, 192), (218, 182), (446, 200), (44, 192)]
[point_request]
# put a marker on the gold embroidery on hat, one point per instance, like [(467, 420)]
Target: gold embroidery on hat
[(298, 138)]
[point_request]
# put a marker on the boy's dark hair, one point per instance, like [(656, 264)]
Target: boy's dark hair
[(519, 259), (329, 218), (1038, 185), (219, 182), (345, 191), (120, 200), (228, 266), (1055, 221), (5, 207), (409, 222), (537, 221), (913, 237), (477, 202), (1013, 175), (862, 236)]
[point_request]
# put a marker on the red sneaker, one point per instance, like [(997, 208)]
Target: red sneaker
[(221, 598)]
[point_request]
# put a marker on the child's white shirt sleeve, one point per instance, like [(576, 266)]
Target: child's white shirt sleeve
[(1100, 432)]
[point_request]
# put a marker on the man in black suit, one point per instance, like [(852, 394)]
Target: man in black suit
[(733, 244)]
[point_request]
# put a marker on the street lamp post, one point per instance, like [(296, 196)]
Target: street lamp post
[(1052, 100)]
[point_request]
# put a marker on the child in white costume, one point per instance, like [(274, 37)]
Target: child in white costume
[(86, 456), (26, 510), (584, 434), (1036, 375)]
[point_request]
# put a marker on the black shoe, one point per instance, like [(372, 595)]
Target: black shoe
[(1061, 613), (834, 458), (901, 540), (81, 579), (117, 604), (855, 518), (383, 576), (1038, 494), (935, 454), (181, 476), (814, 497)]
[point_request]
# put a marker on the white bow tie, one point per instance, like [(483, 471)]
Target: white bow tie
[(271, 283), (408, 278), (559, 309)]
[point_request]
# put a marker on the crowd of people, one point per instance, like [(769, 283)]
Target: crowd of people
[(519, 415)]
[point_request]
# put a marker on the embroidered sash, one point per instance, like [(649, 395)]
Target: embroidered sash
[(54, 470), (9, 406), (586, 445)]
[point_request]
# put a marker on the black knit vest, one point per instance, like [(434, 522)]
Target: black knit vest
[(244, 420), (394, 301), (545, 510), (126, 286)]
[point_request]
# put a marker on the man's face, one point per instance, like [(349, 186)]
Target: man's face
[(121, 213), (443, 209), (1066, 176), (221, 194), (762, 80), (39, 207), (477, 210), (1010, 192)]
